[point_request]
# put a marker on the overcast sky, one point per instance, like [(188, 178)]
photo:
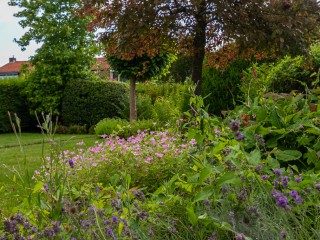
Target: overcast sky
[(10, 29)]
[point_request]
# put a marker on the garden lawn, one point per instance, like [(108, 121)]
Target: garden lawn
[(19, 160)]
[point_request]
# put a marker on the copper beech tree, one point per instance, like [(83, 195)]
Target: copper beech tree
[(132, 28)]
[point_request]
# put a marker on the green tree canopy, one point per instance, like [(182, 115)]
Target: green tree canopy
[(67, 50)]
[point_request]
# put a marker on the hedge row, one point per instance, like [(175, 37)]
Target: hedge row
[(13, 100), (84, 102), (87, 102)]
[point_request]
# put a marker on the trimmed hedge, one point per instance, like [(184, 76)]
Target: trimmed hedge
[(87, 102), (14, 101)]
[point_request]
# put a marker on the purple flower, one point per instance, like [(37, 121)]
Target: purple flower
[(235, 126), (298, 179), (283, 202), (285, 181), (283, 234), (109, 231), (239, 137), (114, 219), (277, 172), (276, 194), (264, 177), (85, 224), (260, 140), (294, 193), (71, 163), (298, 199), (258, 168), (11, 226), (276, 183), (213, 236), (240, 236)]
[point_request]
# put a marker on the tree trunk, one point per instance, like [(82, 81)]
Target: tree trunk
[(199, 44), (133, 105)]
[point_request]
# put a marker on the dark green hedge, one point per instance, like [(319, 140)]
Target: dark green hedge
[(87, 102), (223, 86), (14, 101)]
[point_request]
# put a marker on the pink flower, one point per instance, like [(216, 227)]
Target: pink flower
[(37, 172), (80, 143), (160, 155), (148, 159), (94, 164), (193, 142)]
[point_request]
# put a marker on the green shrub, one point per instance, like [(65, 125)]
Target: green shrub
[(179, 91), (13, 100), (73, 129), (87, 102), (289, 74), (164, 110), (255, 82), (315, 55), (122, 127), (221, 88), (143, 104), (109, 126)]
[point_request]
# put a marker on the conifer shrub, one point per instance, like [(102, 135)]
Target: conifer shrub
[(87, 102), (221, 87)]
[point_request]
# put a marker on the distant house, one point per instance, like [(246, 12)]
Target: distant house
[(102, 68), (14, 68)]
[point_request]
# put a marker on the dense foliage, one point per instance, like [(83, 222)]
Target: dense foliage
[(67, 49), (14, 101), (221, 87), (133, 27), (253, 175), (86, 102), (140, 68)]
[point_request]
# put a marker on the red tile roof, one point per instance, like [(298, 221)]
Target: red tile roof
[(13, 67), (101, 64)]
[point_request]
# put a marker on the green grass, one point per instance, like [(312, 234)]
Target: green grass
[(16, 159)]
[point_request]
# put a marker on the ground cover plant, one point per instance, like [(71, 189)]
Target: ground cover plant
[(242, 177)]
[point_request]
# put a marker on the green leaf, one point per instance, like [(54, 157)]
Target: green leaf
[(272, 142), (203, 195), (314, 130), (254, 157), (192, 217), (218, 148), (288, 155), (262, 130), (229, 178), (312, 157), (275, 119), (38, 187), (205, 172), (260, 112)]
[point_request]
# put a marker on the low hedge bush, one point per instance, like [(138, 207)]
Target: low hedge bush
[(122, 127), (13, 100), (87, 102)]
